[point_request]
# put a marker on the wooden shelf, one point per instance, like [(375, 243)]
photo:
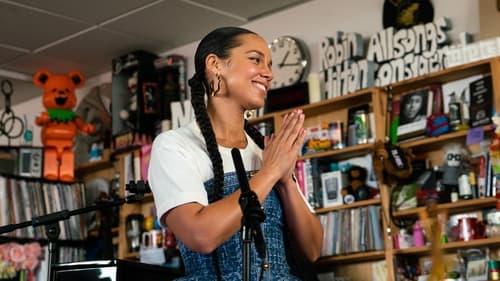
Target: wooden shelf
[(450, 246), (261, 119), (430, 143), (461, 206), (445, 75), (350, 258), (357, 204), (344, 153), (93, 166)]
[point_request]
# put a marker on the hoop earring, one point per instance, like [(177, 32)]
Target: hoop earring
[(248, 113), (214, 91)]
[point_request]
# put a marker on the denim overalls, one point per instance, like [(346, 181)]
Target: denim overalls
[(201, 267)]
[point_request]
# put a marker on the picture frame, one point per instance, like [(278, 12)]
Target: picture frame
[(331, 184), (414, 108), (150, 97)]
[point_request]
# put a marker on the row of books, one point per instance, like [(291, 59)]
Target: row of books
[(352, 230), (21, 200)]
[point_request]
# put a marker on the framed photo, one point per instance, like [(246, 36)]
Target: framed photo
[(150, 97), (331, 184), (414, 108)]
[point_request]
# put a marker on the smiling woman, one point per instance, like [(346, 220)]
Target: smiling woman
[(197, 190)]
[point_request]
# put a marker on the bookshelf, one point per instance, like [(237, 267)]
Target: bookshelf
[(432, 149), (377, 98)]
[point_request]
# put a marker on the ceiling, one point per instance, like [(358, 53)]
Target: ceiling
[(61, 35)]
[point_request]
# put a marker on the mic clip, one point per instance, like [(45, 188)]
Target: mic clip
[(253, 214)]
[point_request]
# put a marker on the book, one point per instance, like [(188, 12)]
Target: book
[(316, 180), (308, 183), (481, 93), (4, 202), (374, 214), (299, 175), (479, 163), (394, 119), (414, 109)]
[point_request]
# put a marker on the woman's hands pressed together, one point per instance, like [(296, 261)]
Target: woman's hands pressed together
[(282, 148)]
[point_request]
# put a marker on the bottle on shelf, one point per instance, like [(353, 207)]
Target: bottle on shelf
[(464, 187), (473, 185), (454, 194), (418, 235)]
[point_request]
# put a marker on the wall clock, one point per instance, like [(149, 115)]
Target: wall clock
[(290, 61)]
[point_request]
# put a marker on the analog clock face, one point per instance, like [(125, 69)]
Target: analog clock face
[(289, 61)]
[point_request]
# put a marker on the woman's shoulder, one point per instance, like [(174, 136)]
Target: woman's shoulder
[(183, 136)]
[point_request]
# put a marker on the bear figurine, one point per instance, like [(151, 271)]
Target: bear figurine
[(59, 122)]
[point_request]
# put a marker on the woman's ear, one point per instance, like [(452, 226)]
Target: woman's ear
[(212, 64)]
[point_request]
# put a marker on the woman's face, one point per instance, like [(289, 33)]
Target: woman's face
[(412, 106), (246, 74)]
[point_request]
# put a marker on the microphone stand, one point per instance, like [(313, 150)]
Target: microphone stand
[(51, 221), (253, 215)]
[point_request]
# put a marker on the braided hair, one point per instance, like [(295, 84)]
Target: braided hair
[(219, 42)]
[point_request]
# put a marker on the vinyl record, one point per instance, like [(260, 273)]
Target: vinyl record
[(407, 13)]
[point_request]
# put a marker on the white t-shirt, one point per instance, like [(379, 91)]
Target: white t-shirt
[(179, 165)]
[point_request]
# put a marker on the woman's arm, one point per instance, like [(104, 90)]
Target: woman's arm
[(305, 227)]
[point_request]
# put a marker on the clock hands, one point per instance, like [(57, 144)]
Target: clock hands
[(280, 65), (289, 64)]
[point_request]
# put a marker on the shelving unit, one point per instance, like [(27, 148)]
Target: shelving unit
[(431, 147), (358, 265)]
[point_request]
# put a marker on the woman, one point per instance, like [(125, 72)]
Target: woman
[(192, 174)]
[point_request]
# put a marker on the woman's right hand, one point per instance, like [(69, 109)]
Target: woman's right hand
[(282, 148)]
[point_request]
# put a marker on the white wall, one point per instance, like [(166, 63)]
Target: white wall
[(310, 22), (317, 19)]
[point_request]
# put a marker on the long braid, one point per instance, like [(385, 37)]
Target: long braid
[(219, 42), (200, 112)]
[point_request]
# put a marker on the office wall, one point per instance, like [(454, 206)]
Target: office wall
[(310, 22), (489, 19)]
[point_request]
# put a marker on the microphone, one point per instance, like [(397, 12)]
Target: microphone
[(137, 190), (253, 214), (240, 170)]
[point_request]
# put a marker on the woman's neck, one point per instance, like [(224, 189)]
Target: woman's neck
[(228, 127)]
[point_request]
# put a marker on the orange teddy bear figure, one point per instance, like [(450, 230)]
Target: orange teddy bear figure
[(59, 123)]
